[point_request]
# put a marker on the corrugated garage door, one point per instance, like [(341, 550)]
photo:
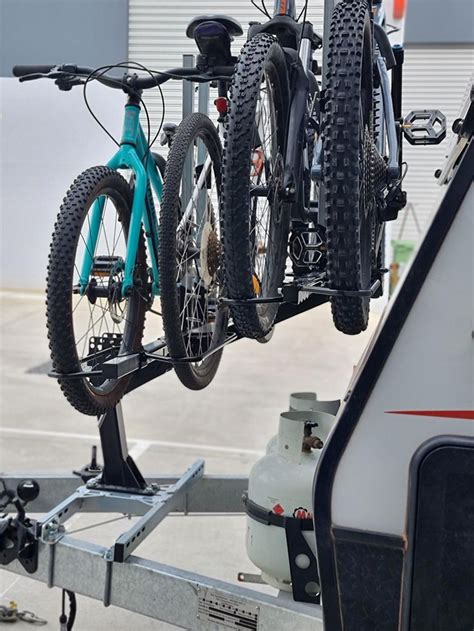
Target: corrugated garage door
[(435, 77), (157, 38)]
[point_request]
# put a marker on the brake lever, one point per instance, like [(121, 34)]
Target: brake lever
[(63, 79), (31, 77), (67, 82), (55, 72)]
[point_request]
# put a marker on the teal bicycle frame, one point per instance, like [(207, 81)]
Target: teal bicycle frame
[(133, 154)]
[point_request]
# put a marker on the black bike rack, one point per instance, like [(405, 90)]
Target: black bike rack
[(153, 361), (119, 470), (328, 291), (296, 297)]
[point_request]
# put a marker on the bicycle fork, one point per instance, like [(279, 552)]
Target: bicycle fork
[(132, 153)]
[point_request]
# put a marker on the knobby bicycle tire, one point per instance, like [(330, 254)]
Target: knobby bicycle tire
[(349, 227), (194, 375), (82, 393), (261, 57)]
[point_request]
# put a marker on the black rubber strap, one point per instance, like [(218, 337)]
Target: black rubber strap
[(268, 517)]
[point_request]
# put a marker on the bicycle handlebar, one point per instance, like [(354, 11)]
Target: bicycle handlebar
[(21, 71), (128, 83)]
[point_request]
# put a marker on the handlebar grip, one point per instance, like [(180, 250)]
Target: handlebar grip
[(22, 71)]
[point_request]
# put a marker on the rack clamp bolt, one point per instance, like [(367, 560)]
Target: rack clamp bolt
[(109, 555), (52, 531)]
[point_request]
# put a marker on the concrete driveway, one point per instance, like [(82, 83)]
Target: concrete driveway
[(168, 428)]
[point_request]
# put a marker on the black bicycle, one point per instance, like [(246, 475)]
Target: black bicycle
[(312, 171)]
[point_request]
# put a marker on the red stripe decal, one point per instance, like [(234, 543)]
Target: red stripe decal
[(464, 414)]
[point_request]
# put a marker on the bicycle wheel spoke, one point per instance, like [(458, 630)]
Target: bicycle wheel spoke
[(104, 213), (86, 246), (91, 327), (260, 240), (100, 320), (193, 314), (114, 243), (190, 208)]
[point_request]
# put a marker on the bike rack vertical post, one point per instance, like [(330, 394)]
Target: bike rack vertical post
[(188, 108), (119, 469), (203, 98), (188, 88)]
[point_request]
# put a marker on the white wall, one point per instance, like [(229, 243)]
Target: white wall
[(47, 138)]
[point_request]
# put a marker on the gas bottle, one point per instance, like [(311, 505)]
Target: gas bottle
[(280, 484), (306, 402)]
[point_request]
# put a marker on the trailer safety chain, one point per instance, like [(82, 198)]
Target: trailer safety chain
[(12, 614)]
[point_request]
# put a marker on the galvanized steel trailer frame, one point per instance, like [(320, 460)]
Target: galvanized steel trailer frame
[(165, 593)]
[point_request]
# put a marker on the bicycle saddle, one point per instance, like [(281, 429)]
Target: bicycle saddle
[(232, 26)]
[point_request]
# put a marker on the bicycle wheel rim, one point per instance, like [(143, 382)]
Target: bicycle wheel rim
[(190, 252), (267, 171), (196, 266)]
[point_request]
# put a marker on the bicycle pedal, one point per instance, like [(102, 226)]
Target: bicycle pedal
[(307, 248), (425, 127), (105, 265)]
